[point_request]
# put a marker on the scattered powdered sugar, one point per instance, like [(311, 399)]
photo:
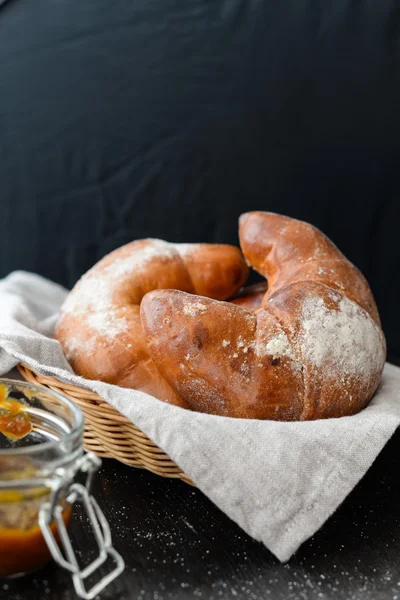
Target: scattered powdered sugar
[(75, 344), (91, 293), (92, 302), (139, 258), (241, 346), (187, 249), (240, 342), (106, 323), (96, 289), (277, 346), (346, 339), (92, 299), (194, 308)]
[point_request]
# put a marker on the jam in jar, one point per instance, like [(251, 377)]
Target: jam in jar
[(41, 453)]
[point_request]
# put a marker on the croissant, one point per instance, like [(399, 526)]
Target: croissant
[(314, 349), (99, 325)]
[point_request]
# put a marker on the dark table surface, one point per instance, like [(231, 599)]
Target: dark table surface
[(177, 545)]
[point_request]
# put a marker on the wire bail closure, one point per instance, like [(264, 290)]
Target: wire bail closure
[(62, 484)]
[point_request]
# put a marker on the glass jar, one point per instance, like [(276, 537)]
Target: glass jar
[(40, 457)]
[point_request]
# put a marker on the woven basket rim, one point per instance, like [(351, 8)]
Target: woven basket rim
[(108, 432)]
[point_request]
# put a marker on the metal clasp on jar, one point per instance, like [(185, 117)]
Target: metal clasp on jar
[(62, 486)]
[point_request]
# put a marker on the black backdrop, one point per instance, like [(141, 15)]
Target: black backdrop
[(132, 118)]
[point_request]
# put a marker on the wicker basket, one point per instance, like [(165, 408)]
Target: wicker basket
[(108, 433)]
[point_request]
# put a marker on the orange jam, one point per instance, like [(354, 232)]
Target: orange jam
[(22, 546), (14, 420), (25, 550)]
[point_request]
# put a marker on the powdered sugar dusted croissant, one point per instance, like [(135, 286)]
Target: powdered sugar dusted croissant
[(99, 326), (314, 350)]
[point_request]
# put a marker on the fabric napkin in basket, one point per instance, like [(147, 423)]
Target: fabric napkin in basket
[(279, 481)]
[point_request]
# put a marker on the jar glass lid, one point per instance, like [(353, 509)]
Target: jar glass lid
[(35, 421)]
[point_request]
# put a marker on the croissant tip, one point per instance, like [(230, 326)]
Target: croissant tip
[(243, 218)]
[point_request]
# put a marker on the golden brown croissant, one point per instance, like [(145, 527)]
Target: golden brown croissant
[(314, 350), (99, 327)]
